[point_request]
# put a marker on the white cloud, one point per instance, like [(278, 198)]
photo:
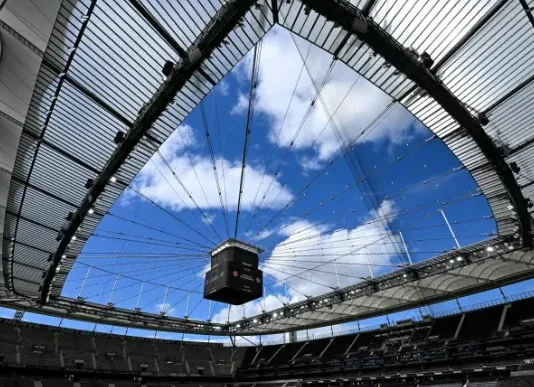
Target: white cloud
[(157, 182), (354, 101), (313, 261), (252, 308), (241, 106), (165, 308), (223, 87), (308, 247), (182, 138), (309, 164), (209, 218)]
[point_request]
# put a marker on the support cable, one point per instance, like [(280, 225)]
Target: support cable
[(179, 220), (273, 145), (202, 213), (214, 164), (296, 134), (250, 112), (221, 158)]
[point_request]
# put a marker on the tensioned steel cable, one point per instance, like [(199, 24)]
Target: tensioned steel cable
[(370, 222), (221, 160), (153, 228), (276, 280), (336, 258), (328, 165), (295, 136), (214, 164), (137, 270), (248, 127), (188, 193), (339, 243), (153, 270), (150, 282), (145, 237), (273, 145), (346, 189), (166, 295), (173, 245), (385, 198), (172, 215), (352, 162)]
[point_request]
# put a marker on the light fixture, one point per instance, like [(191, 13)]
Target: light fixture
[(451, 261), (490, 249), (63, 256), (91, 211), (459, 259), (167, 68), (73, 237), (113, 179), (275, 315), (405, 275), (255, 321)]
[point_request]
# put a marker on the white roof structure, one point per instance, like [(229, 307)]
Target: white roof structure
[(61, 109)]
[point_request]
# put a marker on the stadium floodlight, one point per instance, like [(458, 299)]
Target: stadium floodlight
[(514, 167), (91, 211), (167, 68), (113, 179), (490, 249)]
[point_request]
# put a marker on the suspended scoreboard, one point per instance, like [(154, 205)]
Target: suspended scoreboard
[(234, 277)]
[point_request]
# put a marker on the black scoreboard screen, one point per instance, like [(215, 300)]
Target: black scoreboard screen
[(234, 277)]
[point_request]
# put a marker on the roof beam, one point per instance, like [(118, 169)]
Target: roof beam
[(9, 118), (59, 150), (32, 221), (159, 28), (469, 34), (522, 146), (510, 94), (211, 37), (166, 36), (351, 19), (27, 184), (274, 9), (89, 94), (528, 11), (368, 6), (26, 245)]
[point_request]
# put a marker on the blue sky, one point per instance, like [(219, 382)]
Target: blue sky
[(324, 219)]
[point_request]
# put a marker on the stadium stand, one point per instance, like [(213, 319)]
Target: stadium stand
[(485, 344)]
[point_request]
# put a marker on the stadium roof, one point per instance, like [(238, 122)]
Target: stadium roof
[(475, 96)]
